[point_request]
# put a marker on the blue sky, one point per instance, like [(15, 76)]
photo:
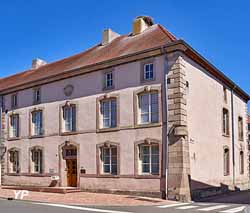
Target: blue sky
[(53, 29)]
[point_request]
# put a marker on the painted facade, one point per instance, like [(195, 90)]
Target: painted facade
[(183, 139)]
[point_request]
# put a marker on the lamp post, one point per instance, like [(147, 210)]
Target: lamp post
[(2, 152)]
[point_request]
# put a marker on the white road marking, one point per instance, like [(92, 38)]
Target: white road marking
[(213, 208), (234, 210), (173, 205), (187, 207), (81, 208)]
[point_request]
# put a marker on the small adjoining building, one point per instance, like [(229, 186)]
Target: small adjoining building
[(142, 113)]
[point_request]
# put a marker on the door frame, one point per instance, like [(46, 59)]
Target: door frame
[(62, 163)]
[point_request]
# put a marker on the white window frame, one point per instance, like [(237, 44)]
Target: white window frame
[(108, 81), (149, 71), (14, 101), (37, 162), (37, 126), (149, 94), (14, 160), (225, 122), (72, 118), (37, 95), (110, 117), (14, 126), (110, 164), (150, 159)]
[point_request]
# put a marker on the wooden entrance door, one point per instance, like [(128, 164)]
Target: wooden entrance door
[(71, 172)]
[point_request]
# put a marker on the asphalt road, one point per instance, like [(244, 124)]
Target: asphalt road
[(32, 207)]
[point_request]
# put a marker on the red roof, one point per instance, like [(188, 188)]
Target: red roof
[(154, 36)]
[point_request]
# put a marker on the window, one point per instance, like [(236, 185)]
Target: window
[(14, 161), (109, 160), (14, 126), (225, 122), (148, 71), (226, 162), (37, 95), (148, 108), (69, 118), (225, 93), (108, 81), (109, 113), (240, 128), (14, 101), (37, 123), (37, 160), (241, 162), (149, 159)]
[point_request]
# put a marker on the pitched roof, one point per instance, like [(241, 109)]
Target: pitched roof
[(152, 37)]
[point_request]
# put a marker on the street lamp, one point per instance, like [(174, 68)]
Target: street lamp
[(2, 152)]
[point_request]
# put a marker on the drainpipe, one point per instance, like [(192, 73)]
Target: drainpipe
[(233, 140), (165, 125)]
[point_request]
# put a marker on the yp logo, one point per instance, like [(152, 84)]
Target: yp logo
[(20, 194)]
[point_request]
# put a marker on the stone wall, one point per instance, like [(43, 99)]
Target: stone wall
[(178, 152)]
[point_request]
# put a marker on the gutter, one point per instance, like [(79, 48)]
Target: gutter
[(233, 139), (165, 130)]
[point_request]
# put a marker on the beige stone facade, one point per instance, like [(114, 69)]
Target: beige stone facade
[(187, 133)]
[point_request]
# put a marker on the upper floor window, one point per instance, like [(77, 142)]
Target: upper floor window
[(14, 126), (108, 80), (37, 160), (109, 160), (37, 123), (37, 95), (14, 101), (240, 128), (108, 113), (69, 118), (14, 164), (148, 108), (225, 123), (148, 71), (149, 159), (226, 162), (225, 93)]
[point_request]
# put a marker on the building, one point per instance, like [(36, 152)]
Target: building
[(138, 113)]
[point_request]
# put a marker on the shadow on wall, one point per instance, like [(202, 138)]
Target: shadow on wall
[(203, 192)]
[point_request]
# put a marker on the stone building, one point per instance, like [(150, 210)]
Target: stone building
[(142, 113)]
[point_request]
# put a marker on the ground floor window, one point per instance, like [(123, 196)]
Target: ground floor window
[(149, 159), (14, 161), (241, 162), (37, 160), (109, 160), (226, 162)]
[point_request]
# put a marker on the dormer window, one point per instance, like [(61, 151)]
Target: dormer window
[(148, 71), (37, 95), (14, 101)]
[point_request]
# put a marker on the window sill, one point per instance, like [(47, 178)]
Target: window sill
[(13, 139), (68, 133), (108, 88), (13, 174), (143, 81), (36, 136), (108, 129), (107, 176), (241, 139), (137, 126), (225, 135), (149, 176)]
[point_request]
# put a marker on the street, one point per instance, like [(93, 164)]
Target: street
[(12, 206)]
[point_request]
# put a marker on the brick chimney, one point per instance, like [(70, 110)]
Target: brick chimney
[(141, 23), (37, 62), (108, 35)]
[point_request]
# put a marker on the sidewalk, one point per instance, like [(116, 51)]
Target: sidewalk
[(85, 198)]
